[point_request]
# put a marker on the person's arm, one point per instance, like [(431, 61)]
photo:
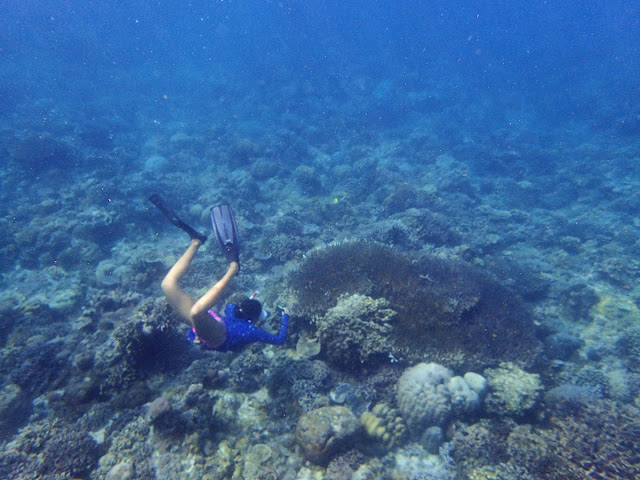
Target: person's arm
[(266, 337)]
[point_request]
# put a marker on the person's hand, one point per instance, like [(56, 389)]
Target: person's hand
[(283, 310)]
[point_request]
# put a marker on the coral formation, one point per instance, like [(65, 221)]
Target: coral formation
[(429, 395), (504, 230), (14, 408), (500, 471), (257, 462), (356, 331), (120, 471), (303, 383), (245, 372), (423, 396), (147, 337), (49, 449), (628, 347), (413, 461), (44, 152), (385, 424), (413, 228), (129, 446), (512, 391), (308, 347), (467, 393), (561, 345), (322, 431), (343, 466), (45, 369), (446, 310), (596, 439), (357, 398)]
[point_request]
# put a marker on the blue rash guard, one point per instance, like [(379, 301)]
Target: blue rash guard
[(241, 333)]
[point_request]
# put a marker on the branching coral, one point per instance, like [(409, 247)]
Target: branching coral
[(598, 440), (148, 340)]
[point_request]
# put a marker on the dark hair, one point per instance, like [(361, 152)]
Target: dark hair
[(249, 309)]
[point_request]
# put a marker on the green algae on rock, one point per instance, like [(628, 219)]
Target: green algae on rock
[(322, 431)]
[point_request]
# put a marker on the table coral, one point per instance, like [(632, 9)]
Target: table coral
[(446, 310)]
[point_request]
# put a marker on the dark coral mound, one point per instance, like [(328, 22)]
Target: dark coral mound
[(300, 385), (448, 310), (149, 340), (49, 450), (596, 439), (40, 368)]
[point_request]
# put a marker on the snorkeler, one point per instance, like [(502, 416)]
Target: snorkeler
[(234, 330)]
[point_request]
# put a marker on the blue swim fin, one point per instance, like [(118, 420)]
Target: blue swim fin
[(159, 202), (226, 230)]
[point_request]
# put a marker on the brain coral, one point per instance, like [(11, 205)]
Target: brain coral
[(356, 330), (429, 395)]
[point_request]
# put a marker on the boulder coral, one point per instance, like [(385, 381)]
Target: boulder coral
[(430, 395)]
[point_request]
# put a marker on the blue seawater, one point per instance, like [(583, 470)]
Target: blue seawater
[(501, 134)]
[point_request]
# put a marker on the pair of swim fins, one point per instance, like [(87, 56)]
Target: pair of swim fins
[(222, 220)]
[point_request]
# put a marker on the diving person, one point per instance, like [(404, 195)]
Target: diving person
[(235, 329)]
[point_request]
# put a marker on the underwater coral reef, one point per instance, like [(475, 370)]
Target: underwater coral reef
[(445, 198)]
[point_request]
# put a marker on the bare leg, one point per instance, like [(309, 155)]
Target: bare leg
[(194, 314), (210, 330), (179, 300)]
